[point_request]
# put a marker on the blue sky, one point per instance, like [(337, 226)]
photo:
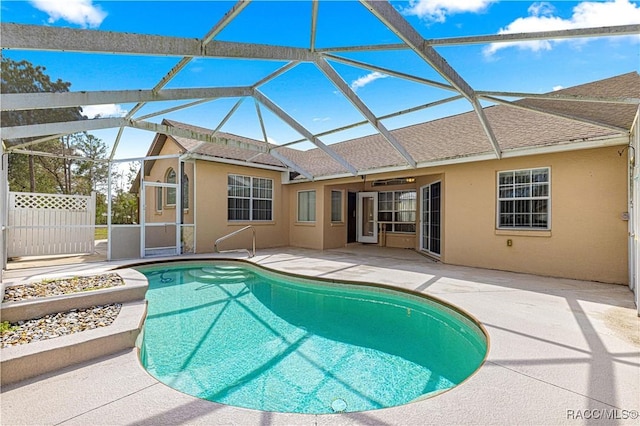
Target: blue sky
[(303, 91)]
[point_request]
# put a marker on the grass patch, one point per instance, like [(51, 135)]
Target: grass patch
[(100, 234)]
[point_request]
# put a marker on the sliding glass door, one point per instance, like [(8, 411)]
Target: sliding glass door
[(430, 218)]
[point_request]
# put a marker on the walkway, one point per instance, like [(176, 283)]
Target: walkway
[(562, 351)]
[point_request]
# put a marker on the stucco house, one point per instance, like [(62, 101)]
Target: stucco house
[(555, 204)]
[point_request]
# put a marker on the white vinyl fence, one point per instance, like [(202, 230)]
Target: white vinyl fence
[(50, 224)]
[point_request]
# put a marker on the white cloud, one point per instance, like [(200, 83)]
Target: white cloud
[(364, 80), (585, 15), (437, 10), (558, 87), (542, 8), (80, 12), (317, 119), (103, 111)]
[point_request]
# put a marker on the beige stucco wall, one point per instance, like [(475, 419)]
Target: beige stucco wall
[(211, 209), (587, 239), (335, 233), (307, 234)]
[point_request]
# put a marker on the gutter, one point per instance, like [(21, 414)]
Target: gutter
[(566, 146)]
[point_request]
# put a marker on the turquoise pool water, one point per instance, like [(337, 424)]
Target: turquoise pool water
[(237, 334)]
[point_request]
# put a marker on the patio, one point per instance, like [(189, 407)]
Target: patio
[(561, 351)]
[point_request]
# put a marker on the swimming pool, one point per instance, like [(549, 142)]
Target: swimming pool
[(238, 334)]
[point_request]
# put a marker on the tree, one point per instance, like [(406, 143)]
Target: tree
[(124, 204), (92, 175), (23, 77), (61, 173)]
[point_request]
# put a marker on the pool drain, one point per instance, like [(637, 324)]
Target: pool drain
[(339, 405)]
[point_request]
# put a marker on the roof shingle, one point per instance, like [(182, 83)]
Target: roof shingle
[(456, 136)]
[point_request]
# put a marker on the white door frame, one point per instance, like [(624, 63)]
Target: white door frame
[(428, 223), (143, 222), (371, 230)]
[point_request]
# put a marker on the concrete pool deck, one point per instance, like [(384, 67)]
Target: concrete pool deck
[(561, 352)]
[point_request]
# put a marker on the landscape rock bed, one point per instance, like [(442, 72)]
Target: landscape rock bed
[(61, 286), (60, 324), (63, 323)]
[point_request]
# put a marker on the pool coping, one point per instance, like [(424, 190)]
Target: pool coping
[(390, 288), (553, 358)]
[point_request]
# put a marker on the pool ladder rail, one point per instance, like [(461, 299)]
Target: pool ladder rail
[(250, 253)]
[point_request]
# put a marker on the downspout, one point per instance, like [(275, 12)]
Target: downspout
[(109, 201), (4, 205), (634, 210)]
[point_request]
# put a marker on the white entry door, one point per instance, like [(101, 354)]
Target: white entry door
[(367, 216)]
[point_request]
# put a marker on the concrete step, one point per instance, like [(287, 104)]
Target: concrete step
[(134, 288), (21, 362)]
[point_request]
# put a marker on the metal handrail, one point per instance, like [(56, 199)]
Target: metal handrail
[(249, 253)]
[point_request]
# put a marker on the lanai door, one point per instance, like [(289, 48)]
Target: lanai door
[(430, 220), (367, 213)]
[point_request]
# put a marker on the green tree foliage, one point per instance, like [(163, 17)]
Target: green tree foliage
[(64, 169), (94, 174), (124, 209), (27, 172), (23, 77)]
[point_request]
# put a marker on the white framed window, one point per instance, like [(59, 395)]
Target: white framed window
[(249, 198), (170, 177), (185, 191), (336, 206), (397, 209), (524, 199), (307, 206), (159, 204)]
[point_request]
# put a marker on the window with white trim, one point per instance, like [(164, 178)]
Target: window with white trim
[(170, 177), (159, 204), (397, 209), (307, 206), (336, 206), (185, 191), (249, 198), (524, 199)]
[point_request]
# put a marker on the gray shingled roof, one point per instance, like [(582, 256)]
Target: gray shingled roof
[(456, 136), (222, 151), (625, 85)]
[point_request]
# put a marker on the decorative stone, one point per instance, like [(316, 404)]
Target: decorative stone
[(60, 324), (61, 286)]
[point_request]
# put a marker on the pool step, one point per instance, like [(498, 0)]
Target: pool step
[(220, 275), (25, 361)]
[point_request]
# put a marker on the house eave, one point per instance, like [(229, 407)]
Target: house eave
[(567, 146), (194, 156), (601, 142)]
